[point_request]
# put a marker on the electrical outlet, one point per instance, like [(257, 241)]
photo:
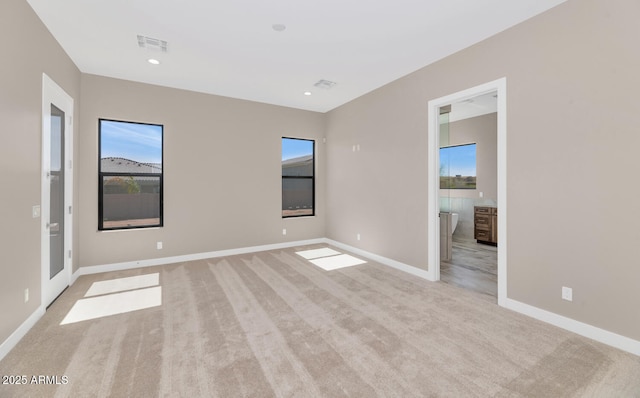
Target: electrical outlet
[(26, 295), (284, 231), (159, 245), (567, 293), (358, 236)]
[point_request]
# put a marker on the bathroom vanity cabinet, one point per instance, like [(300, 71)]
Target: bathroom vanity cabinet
[(485, 225)]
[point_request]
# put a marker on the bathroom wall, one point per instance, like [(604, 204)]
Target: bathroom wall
[(481, 130)]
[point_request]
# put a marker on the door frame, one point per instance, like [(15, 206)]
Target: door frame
[(433, 142), (54, 94)]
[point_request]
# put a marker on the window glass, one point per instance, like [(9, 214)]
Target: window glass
[(298, 180), (458, 167), (130, 175)]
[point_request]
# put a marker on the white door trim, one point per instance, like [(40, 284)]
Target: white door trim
[(433, 141), (54, 94)]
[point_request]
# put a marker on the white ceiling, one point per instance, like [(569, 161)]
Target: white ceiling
[(229, 48)]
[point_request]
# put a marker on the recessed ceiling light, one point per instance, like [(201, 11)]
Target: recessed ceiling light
[(307, 93), (278, 27), (153, 61)]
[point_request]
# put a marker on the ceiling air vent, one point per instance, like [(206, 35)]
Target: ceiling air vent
[(152, 44), (325, 84)]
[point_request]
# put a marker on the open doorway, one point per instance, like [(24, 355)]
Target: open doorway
[(439, 230), (468, 194)]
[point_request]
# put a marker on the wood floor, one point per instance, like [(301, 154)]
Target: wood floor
[(472, 266)]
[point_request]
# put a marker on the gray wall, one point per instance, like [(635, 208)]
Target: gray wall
[(28, 50), (481, 130), (222, 171), (572, 121)]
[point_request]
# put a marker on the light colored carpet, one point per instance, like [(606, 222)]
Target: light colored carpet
[(273, 324)]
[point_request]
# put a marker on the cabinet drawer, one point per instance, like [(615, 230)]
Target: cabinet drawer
[(482, 219), (482, 235), (485, 210)]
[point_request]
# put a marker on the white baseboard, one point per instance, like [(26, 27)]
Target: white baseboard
[(583, 329), (96, 269), (409, 269), (19, 333)]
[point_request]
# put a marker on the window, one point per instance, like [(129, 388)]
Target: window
[(458, 167), (129, 174), (298, 181)]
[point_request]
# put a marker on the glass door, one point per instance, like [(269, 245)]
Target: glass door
[(56, 193), (56, 205)]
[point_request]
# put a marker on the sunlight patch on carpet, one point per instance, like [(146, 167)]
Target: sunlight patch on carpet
[(336, 262), (123, 284), (329, 259), (113, 304), (315, 253)]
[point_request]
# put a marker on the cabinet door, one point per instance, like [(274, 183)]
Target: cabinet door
[(494, 229), (483, 221)]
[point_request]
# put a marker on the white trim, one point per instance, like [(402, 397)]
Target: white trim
[(96, 269), (433, 202), (433, 239), (409, 269), (19, 333), (54, 94), (501, 86), (603, 336)]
